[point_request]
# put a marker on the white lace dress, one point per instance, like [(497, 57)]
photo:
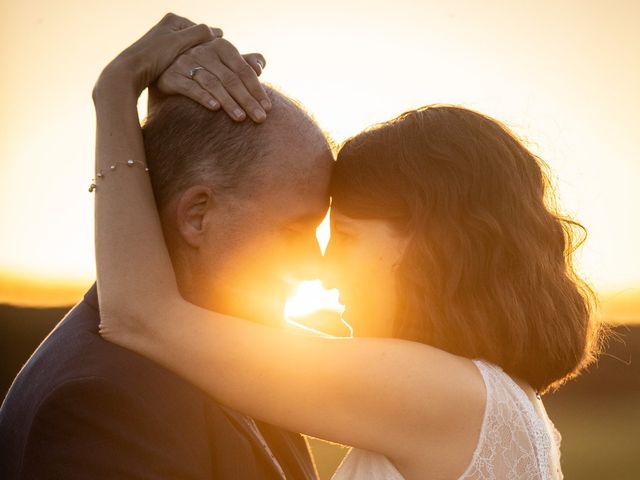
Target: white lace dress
[(514, 443)]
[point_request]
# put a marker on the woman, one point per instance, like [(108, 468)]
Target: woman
[(456, 275)]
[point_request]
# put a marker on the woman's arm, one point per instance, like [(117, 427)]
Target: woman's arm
[(118, 139), (385, 395), (392, 396), (159, 60)]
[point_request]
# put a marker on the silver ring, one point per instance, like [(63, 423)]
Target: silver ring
[(193, 71)]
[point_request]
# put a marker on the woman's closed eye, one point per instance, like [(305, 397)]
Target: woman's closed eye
[(342, 237)]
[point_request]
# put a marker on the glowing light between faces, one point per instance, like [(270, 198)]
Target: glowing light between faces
[(316, 310)]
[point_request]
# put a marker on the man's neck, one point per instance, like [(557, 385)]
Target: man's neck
[(232, 303), (219, 296)]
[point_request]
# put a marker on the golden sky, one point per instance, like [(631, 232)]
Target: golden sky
[(565, 75)]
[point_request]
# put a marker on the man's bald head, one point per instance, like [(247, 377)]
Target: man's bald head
[(186, 143)]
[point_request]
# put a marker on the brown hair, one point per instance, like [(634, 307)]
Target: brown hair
[(488, 272)]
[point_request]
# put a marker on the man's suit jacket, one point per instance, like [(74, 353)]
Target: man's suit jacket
[(82, 407)]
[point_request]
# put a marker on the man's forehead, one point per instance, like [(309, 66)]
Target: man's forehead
[(295, 166), (298, 154), (305, 185), (293, 191), (299, 136)]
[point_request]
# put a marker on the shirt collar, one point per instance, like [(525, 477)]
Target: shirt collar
[(91, 297)]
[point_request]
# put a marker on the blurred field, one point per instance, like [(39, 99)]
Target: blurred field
[(597, 414)]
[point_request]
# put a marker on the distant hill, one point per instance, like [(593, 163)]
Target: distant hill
[(617, 371)]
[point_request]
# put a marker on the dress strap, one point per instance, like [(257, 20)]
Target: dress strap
[(485, 371), (493, 376)]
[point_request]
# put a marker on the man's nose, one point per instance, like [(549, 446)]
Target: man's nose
[(328, 272), (308, 267), (307, 264)]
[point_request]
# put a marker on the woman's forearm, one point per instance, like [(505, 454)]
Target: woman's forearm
[(132, 261)]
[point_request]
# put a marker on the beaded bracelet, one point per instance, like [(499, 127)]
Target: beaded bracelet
[(129, 163)]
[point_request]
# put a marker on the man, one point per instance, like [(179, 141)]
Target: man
[(239, 204)]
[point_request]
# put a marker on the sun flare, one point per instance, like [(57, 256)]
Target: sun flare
[(317, 310), (309, 297), (314, 308)]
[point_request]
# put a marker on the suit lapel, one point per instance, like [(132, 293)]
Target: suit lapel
[(240, 421), (289, 448), (292, 451)]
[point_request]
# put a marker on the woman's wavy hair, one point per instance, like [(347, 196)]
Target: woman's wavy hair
[(488, 271)]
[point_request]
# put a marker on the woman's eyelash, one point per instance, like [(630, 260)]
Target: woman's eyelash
[(342, 235)]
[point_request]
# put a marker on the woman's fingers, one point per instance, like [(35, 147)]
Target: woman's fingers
[(235, 62), (221, 92), (195, 92), (255, 61), (222, 77), (174, 82), (203, 87), (228, 77)]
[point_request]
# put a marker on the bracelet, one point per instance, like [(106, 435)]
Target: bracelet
[(129, 163)]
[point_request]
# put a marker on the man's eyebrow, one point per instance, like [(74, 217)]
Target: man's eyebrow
[(341, 223)]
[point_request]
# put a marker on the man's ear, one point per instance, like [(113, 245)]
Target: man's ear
[(192, 209)]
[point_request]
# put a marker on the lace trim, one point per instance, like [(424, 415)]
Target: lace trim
[(542, 442), (485, 418)]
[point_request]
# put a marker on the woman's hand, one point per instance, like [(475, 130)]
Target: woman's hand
[(226, 79), (163, 58), (144, 61)]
